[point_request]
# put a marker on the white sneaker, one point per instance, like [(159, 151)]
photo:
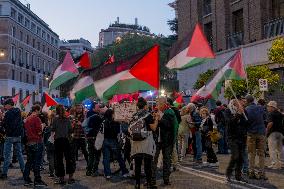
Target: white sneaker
[(125, 175), (214, 164)]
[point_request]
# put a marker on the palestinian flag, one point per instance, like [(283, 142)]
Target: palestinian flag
[(16, 98), (64, 72), (83, 89), (233, 70), (179, 101), (197, 52), (110, 60), (140, 72), (84, 61), (49, 100), (25, 102)]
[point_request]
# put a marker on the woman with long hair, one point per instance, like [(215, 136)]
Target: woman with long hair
[(61, 126)]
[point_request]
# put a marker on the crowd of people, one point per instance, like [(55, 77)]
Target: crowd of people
[(159, 135)]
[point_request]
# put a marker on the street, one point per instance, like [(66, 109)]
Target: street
[(188, 177)]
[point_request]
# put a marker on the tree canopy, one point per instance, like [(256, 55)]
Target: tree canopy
[(203, 78), (276, 52)]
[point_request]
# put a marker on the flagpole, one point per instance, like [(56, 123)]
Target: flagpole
[(245, 66)]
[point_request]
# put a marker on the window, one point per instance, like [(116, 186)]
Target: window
[(38, 62), (21, 35), (27, 23), (13, 91), (48, 51), (13, 74), (34, 43), (52, 54), (14, 31), (33, 79), (27, 58), (33, 62), (52, 40), (43, 35), (13, 53), (56, 56), (28, 39), (38, 30), (43, 65), (43, 48), (48, 66), (20, 55), (33, 99), (56, 42), (20, 18), (33, 27), (208, 32), (48, 38), (1, 10), (27, 79), (13, 13), (27, 93), (21, 76), (238, 21), (207, 7), (38, 45)]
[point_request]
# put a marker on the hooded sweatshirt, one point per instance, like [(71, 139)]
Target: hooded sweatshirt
[(13, 123)]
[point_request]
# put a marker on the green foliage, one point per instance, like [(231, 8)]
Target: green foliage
[(276, 52), (254, 73), (203, 78)]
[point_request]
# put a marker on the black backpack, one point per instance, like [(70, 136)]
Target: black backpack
[(138, 127)]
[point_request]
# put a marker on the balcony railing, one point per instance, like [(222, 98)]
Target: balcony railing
[(274, 28), (235, 40)]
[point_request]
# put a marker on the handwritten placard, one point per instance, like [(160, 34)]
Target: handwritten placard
[(124, 111)]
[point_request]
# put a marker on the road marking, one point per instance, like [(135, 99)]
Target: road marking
[(218, 178)]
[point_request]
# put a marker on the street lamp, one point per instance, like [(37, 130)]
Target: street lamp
[(2, 54), (46, 78)]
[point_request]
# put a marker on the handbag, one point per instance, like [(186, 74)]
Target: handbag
[(100, 138)]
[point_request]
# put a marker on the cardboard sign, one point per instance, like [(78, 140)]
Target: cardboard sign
[(124, 111), (263, 84)]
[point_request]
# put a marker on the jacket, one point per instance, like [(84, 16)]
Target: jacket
[(33, 129), (256, 115), (237, 126), (13, 123), (94, 124)]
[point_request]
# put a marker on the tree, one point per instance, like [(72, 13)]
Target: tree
[(254, 73), (276, 52), (173, 24), (203, 78)]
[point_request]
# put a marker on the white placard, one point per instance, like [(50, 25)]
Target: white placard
[(263, 84), (124, 111)]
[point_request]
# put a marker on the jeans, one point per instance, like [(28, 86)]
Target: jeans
[(111, 147), (51, 158), (63, 149), (9, 143), (236, 161), (148, 160), (246, 161), (94, 156), (256, 145), (222, 143), (167, 153), (80, 143), (34, 158), (198, 144), (275, 148)]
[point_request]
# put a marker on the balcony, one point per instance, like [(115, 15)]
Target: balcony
[(33, 69), (38, 71), (27, 67), (21, 64), (234, 40), (274, 28)]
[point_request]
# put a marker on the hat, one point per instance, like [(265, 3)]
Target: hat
[(9, 101), (272, 104)]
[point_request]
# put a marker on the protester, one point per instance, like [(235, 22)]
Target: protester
[(110, 147), (237, 136), (195, 120), (49, 143), (183, 133), (220, 121), (144, 149), (13, 125), (93, 126), (78, 136), (274, 132), (33, 130), (206, 127), (166, 139), (61, 126), (256, 138)]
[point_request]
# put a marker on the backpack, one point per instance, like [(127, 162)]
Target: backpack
[(138, 127)]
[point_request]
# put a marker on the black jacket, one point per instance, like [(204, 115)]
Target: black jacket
[(13, 123), (94, 123)]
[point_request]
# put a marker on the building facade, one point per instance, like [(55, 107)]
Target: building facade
[(229, 25), (117, 30), (76, 46), (29, 51)]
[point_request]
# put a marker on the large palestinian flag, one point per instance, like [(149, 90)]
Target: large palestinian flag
[(233, 70), (197, 52), (64, 72), (140, 72)]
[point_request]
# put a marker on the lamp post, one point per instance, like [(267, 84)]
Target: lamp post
[(2, 53)]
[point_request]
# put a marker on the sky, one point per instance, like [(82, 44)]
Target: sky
[(72, 19)]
